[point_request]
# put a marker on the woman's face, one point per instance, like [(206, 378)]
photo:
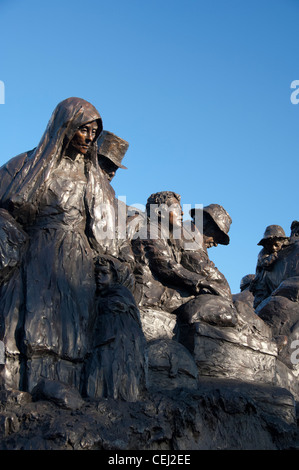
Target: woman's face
[(84, 137)]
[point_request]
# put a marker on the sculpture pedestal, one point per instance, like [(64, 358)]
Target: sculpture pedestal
[(226, 352), (246, 352)]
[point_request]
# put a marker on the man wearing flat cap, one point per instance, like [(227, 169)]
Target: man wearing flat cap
[(216, 224), (111, 151)]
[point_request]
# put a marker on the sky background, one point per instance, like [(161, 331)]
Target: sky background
[(199, 88)]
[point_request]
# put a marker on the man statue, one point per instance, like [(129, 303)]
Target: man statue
[(273, 241), (111, 151), (216, 224), (183, 282)]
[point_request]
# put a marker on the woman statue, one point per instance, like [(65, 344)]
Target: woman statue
[(54, 193)]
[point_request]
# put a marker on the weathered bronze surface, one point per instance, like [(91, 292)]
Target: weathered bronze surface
[(122, 315)]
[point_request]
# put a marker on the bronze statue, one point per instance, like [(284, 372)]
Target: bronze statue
[(274, 240), (54, 195), (164, 281), (216, 306), (111, 150), (216, 225), (79, 273), (117, 366), (245, 294), (183, 282)]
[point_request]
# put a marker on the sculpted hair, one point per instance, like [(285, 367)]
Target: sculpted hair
[(162, 197)]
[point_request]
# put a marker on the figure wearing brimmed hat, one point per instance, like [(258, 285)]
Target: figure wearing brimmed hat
[(213, 222), (183, 275), (274, 239), (111, 151), (216, 224)]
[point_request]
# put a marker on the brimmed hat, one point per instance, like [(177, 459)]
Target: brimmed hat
[(112, 147), (273, 232), (221, 218)]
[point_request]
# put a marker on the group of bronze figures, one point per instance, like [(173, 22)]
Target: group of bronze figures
[(71, 297)]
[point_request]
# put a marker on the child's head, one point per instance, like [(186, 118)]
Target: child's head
[(110, 271)]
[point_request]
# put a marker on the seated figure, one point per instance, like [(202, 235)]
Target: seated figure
[(163, 281), (277, 290), (169, 274), (215, 227), (273, 241), (183, 281)]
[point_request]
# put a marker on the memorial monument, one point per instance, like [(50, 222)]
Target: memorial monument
[(136, 342)]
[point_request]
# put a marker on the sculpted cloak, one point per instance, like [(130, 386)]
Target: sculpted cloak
[(47, 305)]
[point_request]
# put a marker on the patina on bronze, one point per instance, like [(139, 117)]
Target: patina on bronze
[(135, 342), (52, 195)]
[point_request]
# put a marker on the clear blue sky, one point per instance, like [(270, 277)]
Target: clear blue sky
[(199, 88)]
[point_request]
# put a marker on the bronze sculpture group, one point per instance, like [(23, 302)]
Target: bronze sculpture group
[(72, 296)]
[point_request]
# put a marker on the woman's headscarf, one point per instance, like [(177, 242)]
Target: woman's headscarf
[(24, 176), (66, 119)]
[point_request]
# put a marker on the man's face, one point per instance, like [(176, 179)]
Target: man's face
[(108, 167), (273, 246), (84, 137), (176, 213), (211, 234)]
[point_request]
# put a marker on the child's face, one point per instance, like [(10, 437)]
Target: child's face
[(104, 278)]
